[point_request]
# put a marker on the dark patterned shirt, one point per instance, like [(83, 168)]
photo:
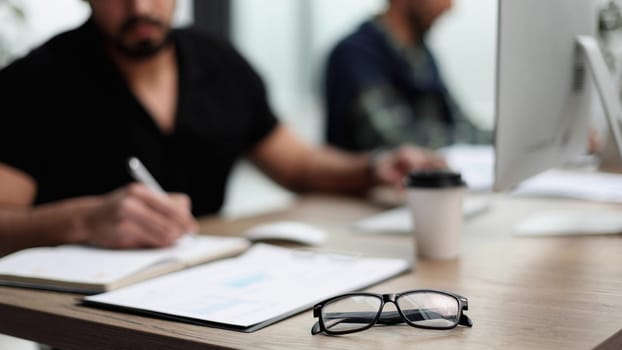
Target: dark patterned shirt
[(379, 94)]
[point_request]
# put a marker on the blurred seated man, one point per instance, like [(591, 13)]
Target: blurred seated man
[(124, 84), (384, 88)]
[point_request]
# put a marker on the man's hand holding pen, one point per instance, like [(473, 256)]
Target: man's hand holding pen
[(135, 217), (140, 215)]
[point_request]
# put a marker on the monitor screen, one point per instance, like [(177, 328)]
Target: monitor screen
[(544, 90)]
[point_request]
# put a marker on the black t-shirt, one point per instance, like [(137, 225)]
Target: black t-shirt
[(68, 119)]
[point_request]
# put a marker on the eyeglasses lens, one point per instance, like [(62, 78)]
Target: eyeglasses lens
[(430, 309), (350, 313)]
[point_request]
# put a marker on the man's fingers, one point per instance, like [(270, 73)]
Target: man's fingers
[(163, 230), (437, 161), (183, 201), (419, 159), (132, 236), (396, 165), (165, 205)]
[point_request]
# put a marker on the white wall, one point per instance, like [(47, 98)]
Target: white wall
[(47, 18), (465, 43), (267, 33)]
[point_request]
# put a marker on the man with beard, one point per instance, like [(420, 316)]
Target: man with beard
[(384, 88), (124, 84)]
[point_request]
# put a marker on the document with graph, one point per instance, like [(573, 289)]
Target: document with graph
[(248, 292)]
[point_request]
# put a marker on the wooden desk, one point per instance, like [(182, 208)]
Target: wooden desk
[(545, 293)]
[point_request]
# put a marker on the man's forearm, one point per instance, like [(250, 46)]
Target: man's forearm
[(331, 170), (51, 224), (300, 167)]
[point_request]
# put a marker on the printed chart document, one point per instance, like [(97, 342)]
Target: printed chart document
[(264, 285), (93, 270)]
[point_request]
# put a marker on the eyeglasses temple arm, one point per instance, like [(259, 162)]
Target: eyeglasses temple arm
[(420, 315), (387, 318), (335, 318), (392, 317), (465, 321), (316, 329)]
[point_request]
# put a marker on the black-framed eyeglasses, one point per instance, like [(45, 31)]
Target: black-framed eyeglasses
[(355, 312)]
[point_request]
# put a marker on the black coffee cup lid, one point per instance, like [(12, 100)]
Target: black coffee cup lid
[(434, 179)]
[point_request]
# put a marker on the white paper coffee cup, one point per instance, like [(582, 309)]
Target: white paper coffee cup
[(435, 201)]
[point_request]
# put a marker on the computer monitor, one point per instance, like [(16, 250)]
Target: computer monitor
[(546, 58)]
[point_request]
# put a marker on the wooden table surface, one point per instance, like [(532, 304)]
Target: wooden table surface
[(524, 293)]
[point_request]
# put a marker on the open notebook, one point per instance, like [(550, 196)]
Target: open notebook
[(92, 270), (260, 287)]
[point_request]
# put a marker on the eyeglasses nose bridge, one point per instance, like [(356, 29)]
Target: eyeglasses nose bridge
[(389, 298)]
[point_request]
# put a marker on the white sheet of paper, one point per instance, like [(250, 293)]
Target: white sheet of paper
[(563, 223), (262, 284), (400, 221), (84, 264), (586, 185), (474, 162)]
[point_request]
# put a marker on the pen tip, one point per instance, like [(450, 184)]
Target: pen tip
[(133, 162)]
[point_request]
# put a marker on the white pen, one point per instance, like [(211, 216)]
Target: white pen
[(141, 174)]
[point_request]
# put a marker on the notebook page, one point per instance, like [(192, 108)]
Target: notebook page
[(82, 264)]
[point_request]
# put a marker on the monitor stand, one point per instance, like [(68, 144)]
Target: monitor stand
[(609, 99), (609, 159)]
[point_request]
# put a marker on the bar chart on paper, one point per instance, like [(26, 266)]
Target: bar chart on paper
[(246, 293)]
